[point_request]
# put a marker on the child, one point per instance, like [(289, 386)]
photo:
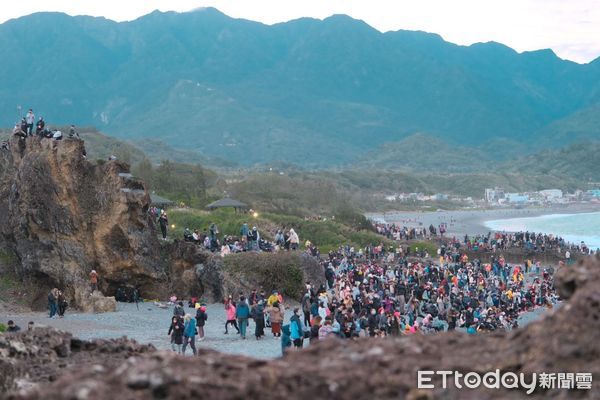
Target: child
[(286, 341)]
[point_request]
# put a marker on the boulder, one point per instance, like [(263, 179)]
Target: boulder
[(98, 303)]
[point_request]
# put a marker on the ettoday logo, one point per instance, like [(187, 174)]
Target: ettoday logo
[(504, 380)]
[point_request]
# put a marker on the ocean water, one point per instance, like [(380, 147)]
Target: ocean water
[(574, 228)]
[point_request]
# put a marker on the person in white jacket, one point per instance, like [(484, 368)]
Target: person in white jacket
[(30, 119), (293, 239)]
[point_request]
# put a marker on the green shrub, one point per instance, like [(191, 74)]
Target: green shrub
[(269, 271), (2, 328), (431, 248)]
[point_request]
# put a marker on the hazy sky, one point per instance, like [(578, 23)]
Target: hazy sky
[(570, 27)]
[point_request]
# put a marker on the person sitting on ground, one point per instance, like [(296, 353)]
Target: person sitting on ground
[(187, 235), (73, 133), (12, 327), (40, 126), (24, 126), (18, 131), (57, 135)]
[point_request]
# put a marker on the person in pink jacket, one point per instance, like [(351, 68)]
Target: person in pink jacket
[(230, 310)]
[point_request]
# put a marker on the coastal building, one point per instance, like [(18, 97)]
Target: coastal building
[(551, 194), (516, 198), (591, 195), (494, 195)]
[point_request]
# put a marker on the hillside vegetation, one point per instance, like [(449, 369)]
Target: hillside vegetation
[(308, 92)]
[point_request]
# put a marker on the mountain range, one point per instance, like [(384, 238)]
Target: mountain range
[(316, 93)]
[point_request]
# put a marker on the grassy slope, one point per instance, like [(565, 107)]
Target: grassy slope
[(325, 234)]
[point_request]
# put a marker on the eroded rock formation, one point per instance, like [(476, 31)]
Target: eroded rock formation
[(63, 216), (564, 341)]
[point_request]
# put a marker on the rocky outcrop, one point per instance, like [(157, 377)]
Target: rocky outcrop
[(97, 303), (564, 341), (44, 354), (64, 216)]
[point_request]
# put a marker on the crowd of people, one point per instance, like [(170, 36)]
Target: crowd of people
[(497, 241), (373, 297), (388, 296), (185, 327), (25, 128), (537, 242), (249, 239)]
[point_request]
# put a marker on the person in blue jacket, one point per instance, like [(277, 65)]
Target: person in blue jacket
[(286, 343), (189, 333), (297, 333), (242, 313)]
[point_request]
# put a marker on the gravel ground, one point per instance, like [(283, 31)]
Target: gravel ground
[(151, 323)]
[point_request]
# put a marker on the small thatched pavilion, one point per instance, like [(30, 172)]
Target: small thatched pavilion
[(160, 202), (228, 203)]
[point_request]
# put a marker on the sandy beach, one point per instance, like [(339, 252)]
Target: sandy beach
[(472, 222)]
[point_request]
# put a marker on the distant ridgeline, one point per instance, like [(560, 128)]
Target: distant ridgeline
[(307, 92)]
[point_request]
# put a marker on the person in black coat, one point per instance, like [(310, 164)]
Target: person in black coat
[(176, 333), (258, 315), (201, 318)]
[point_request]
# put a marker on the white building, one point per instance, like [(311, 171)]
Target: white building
[(493, 195), (551, 194)]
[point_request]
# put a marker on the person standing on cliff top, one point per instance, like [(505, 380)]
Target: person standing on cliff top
[(30, 119), (94, 280), (163, 221)]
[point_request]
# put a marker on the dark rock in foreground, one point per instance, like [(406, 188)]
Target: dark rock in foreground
[(45, 354), (564, 341)]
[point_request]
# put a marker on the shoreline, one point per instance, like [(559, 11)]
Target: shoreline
[(472, 222)]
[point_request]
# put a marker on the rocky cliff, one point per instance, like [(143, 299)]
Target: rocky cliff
[(563, 342), (63, 216)]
